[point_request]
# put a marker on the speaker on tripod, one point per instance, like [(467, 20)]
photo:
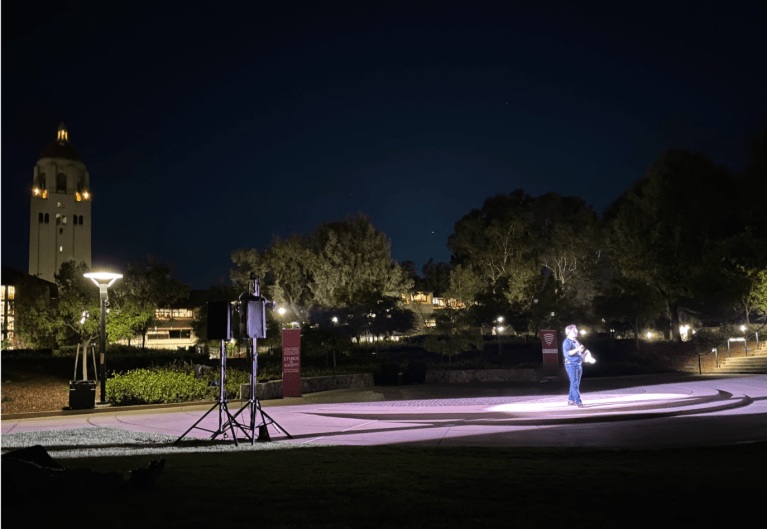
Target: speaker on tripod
[(219, 328)]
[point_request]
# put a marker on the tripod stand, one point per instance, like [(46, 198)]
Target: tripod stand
[(223, 408), (254, 406)]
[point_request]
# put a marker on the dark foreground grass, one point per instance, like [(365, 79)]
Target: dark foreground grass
[(407, 487)]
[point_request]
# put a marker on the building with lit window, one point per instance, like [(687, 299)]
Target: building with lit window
[(13, 286), (424, 304), (60, 209)]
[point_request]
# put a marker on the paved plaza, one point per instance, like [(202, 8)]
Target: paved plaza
[(620, 412)]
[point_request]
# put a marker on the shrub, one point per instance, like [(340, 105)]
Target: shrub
[(170, 384)]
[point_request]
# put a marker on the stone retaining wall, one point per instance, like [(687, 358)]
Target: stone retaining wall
[(273, 389), (489, 375)]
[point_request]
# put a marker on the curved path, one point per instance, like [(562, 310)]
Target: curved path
[(620, 412)]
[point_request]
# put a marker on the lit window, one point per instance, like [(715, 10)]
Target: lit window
[(61, 249)]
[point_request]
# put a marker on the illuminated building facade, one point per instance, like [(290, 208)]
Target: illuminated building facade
[(60, 209)]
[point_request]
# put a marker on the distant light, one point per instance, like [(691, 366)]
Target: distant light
[(86, 195), (500, 319), (684, 332), (335, 320), (500, 329), (583, 332), (36, 191), (743, 328), (649, 335), (281, 310)]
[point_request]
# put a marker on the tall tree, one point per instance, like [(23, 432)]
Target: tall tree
[(660, 229), (568, 247), (496, 243), (353, 259)]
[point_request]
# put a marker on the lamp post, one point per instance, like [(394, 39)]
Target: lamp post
[(103, 280), (498, 331)]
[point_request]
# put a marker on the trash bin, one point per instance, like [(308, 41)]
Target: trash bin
[(82, 394)]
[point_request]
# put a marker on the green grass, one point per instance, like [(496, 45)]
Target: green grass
[(404, 487)]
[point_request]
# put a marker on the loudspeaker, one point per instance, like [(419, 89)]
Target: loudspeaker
[(219, 320), (254, 319)]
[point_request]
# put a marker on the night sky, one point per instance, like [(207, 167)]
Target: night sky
[(206, 129)]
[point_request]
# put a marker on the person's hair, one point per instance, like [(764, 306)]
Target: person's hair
[(570, 328)]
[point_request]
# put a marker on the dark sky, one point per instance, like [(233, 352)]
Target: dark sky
[(206, 129)]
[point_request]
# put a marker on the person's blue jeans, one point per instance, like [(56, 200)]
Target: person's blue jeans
[(574, 372)]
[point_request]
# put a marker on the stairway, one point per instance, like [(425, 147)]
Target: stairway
[(754, 363)]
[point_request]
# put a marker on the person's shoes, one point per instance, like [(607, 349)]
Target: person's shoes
[(571, 403), (580, 405)]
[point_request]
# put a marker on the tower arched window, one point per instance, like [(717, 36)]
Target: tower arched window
[(42, 182), (39, 217), (61, 183), (74, 221), (81, 220), (46, 218)]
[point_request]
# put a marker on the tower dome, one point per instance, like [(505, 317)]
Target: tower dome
[(61, 148)]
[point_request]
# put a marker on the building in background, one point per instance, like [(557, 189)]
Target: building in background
[(60, 209), (11, 289)]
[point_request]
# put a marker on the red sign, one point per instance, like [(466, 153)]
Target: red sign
[(550, 349), (291, 362)]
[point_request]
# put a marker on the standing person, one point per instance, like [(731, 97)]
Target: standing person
[(573, 351)]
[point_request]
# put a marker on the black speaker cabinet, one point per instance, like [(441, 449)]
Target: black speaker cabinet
[(219, 320)]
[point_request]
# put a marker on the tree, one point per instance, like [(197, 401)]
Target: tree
[(568, 247), (495, 242), (141, 291), (34, 314), (660, 229), (629, 302), (353, 259), (465, 284), (436, 277), (285, 269), (454, 333), (337, 265)]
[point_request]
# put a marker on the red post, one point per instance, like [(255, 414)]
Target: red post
[(291, 362)]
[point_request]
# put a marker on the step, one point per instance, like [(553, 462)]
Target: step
[(744, 363), (741, 371), (746, 358)]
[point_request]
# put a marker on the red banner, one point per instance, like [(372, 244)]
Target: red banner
[(550, 349), (291, 362)]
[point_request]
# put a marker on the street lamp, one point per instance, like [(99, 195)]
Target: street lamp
[(499, 330), (103, 280)]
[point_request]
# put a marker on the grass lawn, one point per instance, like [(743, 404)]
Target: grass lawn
[(393, 486)]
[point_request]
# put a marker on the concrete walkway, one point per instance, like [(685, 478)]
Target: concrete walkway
[(621, 412)]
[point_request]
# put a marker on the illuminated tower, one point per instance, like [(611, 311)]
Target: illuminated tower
[(60, 211)]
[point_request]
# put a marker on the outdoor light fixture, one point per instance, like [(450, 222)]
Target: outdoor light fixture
[(335, 319), (103, 280), (649, 335), (583, 332), (743, 328)]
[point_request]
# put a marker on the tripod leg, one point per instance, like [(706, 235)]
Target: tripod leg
[(195, 424), (265, 416)]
